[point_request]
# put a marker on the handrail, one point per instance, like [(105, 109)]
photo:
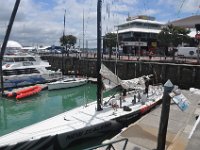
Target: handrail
[(109, 146)]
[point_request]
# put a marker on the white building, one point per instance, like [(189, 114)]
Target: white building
[(139, 33)]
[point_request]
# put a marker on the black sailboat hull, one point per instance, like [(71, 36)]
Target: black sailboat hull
[(62, 141)]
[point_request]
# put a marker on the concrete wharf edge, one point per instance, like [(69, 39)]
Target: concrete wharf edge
[(142, 135)]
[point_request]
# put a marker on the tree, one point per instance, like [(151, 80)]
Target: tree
[(68, 40), (172, 36), (110, 41)]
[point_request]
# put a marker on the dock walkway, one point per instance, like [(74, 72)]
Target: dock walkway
[(142, 135)]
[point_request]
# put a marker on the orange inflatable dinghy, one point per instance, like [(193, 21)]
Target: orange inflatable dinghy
[(28, 92), (25, 92)]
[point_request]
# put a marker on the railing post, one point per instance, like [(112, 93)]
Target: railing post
[(166, 100)]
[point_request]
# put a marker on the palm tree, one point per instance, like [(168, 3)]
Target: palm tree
[(173, 36)]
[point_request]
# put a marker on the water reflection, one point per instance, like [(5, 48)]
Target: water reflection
[(17, 114)]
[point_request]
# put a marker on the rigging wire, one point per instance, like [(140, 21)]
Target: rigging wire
[(198, 7), (181, 6), (67, 15), (106, 16), (88, 16), (145, 7), (112, 15), (108, 9)]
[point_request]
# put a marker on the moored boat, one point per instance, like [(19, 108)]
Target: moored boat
[(27, 69), (66, 83), (25, 92)]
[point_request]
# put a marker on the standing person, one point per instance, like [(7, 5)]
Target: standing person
[(120, 102), (143, 98), (124, 95), (146, 86), (139, 96), (134, 100), (114, 104), (150, 55), (124, 92)]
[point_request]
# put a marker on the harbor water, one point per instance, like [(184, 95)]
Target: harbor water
[(16, 114)]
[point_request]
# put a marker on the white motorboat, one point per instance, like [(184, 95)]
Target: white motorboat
[(66, 83), (27, 69)]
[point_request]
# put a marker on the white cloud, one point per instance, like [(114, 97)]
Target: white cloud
[(36, 25), (187, 6), (32, 25)]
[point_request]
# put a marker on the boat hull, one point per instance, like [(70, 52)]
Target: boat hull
[(26, 80), (62, 141), (62, 85)]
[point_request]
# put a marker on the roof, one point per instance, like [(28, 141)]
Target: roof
[(143, 21), (13, 44), (140, 30), (188, 22)]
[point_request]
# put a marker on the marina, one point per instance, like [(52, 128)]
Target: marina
[(48, 96)]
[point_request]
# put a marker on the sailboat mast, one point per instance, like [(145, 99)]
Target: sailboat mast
[(116, 52), (3, 48), (83, 31), (63, 41), (64, 25), (99, 82)]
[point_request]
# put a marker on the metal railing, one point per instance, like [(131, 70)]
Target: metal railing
[(128, 57), (110, 145)]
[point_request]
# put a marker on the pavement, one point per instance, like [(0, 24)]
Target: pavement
[(142, 135), (194, 140)]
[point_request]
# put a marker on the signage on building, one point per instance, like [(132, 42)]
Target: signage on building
[(144, 17), (154, 44), (134, 43)]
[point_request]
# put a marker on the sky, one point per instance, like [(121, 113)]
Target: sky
[(41, 22)]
